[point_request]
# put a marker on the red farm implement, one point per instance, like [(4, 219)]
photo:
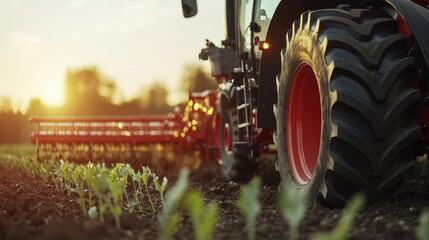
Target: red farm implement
[(97, 138)]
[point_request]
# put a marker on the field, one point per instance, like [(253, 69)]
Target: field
[(33, 205)]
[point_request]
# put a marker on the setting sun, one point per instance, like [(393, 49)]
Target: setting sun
[(53, 93), (36, 50)]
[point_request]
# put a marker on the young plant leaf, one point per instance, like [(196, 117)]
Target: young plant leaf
[(293, 209), (422, 231), (169, 219), (90, 172), (146, 174), (78, 177), (100, 184), (116, 188), (137, 191), (160, 187), (346, 220), (144, 178), (102, 207), (116, 211), (169, 226), (248, 203), (203, 218)]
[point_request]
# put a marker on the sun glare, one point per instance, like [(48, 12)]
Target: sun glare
[(52, 94)]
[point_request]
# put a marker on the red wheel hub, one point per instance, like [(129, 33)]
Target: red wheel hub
[(303, 124), (227, 138)]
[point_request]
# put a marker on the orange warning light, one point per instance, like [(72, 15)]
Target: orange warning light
[(263, 46)]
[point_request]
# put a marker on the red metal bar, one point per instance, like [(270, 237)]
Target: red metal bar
[(139, 118), (105, 129)]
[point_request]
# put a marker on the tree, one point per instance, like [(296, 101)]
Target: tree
[(11, 127), (36, 107), (154, 99), (89, 92), (6, 105), (195, 79)]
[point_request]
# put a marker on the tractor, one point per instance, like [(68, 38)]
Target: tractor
[(340, 87), (337, 90)]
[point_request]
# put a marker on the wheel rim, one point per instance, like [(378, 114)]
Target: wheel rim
[(227, 144), (303, 124)]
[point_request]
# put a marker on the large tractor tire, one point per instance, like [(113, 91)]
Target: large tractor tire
[(346, 111), (235, 163)]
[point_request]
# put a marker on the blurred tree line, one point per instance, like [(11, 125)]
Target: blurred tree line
[(89, 92)]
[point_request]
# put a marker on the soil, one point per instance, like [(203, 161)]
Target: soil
[(33, 209)]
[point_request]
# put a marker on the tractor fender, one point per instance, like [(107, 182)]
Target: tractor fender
[(417, 19), (226, 96)]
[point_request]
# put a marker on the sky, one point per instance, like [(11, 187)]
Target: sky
[(133, 42)]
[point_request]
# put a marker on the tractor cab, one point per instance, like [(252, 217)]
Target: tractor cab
[(245, 38), (254, 19)]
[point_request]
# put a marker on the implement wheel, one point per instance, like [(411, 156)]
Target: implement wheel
[(346, 112), (235, 163)]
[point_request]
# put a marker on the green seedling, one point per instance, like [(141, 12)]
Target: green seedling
[(136, 179), (422, 231), (66, 170), (160, 187), (169, 218), (124, 183), (120, 172), (78, 176), (90, 173), (203, 218), (346, 220), (58, 179), (249, 206), (26, 165), (293, 209), (116, 189), (145, 177), (44, 173), (137, 188), (100, 184)]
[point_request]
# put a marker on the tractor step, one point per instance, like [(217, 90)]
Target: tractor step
[(242, 145), (243, 125), (242, 106)]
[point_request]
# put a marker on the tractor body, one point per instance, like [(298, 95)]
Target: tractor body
[(339, 87)]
